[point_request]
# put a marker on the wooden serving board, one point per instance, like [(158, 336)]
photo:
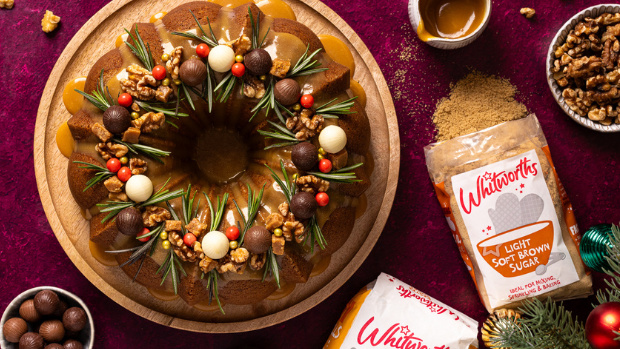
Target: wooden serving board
[(97, 37)]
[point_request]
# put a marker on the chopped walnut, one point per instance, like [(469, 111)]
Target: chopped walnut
[(49, 21), (7, 4), (113, 184), (240, 45), (575, 101), (610, 53), (137, 166), (304, 124), (257, 261), (207, 264), (149, 122), (312, 184), (118, 197), (140, 83), (584, 67), (253, 87), (196, 227), (603, 96), (239, 255), (153, 215), (163, 93), (228, 264), (101, 132), (173, 225), (184, 252), (135, 107), (174, 62), (600, 114), (132, 135), (528, 12), (111, 150), (283, 209), (293, 227), (607, 19), (277, 245), (275, 220), (280, 67)]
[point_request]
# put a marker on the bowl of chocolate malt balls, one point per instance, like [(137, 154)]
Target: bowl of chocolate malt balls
[(47, 318)]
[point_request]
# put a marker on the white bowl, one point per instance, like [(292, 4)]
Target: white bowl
[(558, 40), (87, 335), (443, 43)]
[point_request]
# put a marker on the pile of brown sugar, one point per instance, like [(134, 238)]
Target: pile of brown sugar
[(476, 102)]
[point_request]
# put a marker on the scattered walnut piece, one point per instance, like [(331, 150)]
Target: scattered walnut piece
[(184, 252), (174, 62), (280, 67), (241, 45), (207, 264), (257, 261), (7, 4), (312, 184), (228, 264), (528, 12), (163, 93), (304, 124), (49, 21), (113, 184), (140, 83), (283, 209), (253, 87), (137, 166), (153, 215), (173, 225), (101, 132), (132, 135), (277, 245), (239, 255), (275, 220), (118, 197), (149, 122), (111, 150), (135, 107), (196, 227)]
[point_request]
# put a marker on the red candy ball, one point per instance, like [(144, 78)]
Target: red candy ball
[(307, 101), (202, 50), (601, 324), (125, 100), (124, 174), (144, 232), (232, 233), (113, 165), (238, 69), (322, 199), (325, 165), (159, 72), (189, 239)]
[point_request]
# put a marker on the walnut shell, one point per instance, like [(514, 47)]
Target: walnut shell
[(305, 155), (116, 119), (287, 91), (303, 205), (14, 328), (52, 330), (28, 312), (129, 221), (193, 72), (257, 62), (46, 302)]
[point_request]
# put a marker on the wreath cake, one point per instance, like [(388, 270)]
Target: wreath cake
[(218, 151)]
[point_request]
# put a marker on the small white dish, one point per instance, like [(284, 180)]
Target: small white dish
[(443, 43), (558, 40), (87, 335)]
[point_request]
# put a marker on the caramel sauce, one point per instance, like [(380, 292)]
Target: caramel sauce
[(450, 19), (360, 204), (284, 290), (64, 140), (338, 51), (369, 163), (229, 3), (213, 153), (158, 16), (276, 9), (205, 306), (165, 296), (100, 255), (73, 101), (358, 91), (120, 40), (321, 263)]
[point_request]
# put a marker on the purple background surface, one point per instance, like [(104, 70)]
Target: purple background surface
[(416, 245)]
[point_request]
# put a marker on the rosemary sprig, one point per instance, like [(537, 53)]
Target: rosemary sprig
[(188, 212), (279, 132), (267, 101), (161, 108), (288, 187), (256, 31), (314, 234), (212, 287), (340, 176), (254, 202), (140, 50), (210, 40), (140, 252), (329, 112), (206, 92), (225, 87), (272, 266), (101, 97), (305, 65), (172, 265), (102, 175), (188, 97), (216, 216), (151, 152)]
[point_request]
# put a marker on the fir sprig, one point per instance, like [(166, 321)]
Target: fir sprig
[(216, 216), (143, 52), (101, 97), (100, 176), (210, 39), (612, 294), (281, 133), (272, 267), (330, 111), (226, 87), (305, 65), (254, 202), (340, 176), (171, 267), (256, 31), (151, 152), (288, 187), (212, 277)]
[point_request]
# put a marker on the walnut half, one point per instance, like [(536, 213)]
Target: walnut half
[(49, 21), (7, 4)]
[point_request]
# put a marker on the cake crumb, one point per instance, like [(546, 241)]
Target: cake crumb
[(476, 102)]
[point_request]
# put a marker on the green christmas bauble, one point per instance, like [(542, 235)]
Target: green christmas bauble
[(594, 247)]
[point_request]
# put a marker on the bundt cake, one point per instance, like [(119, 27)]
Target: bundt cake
[(217, 151)]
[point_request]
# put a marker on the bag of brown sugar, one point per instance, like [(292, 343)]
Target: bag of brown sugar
[(509, 214)]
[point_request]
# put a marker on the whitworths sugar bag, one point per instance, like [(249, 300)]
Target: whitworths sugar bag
[(509, 214), (391, 314)]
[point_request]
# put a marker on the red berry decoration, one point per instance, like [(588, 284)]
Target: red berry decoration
[(144, 232), (125, 100), (307, 101), (238, 69), (124, 174), (325, 165), (159, 72), (202, 50), (189, 239), (113, 165), (232, 233), (601, 324), (322, 199)]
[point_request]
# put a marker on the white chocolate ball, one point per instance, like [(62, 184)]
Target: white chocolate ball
[(139, 188), (215, 244), (221, 58), (333, 139)]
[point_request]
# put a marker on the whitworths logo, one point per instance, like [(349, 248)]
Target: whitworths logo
[(396, 336)]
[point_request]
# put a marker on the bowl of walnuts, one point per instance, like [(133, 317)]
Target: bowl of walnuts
[(47, 318), (583, 67)]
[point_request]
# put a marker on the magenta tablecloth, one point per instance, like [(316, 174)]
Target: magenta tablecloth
[(416, 245)]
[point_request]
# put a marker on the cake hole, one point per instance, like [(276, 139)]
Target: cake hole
[(221, 155)]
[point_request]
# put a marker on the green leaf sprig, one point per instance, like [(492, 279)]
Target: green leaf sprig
[(254, 202), (340, 176), (171, 267), (305, 65), (140, 252), (216, 216), (287, 185), (226, 87), (256, 31), (151, 152), (101, 175), (143, 52), (330, 111), (272, 267), (210, 39), (101, 97), (267, 101), (164, 109), (212, 277), (279, 132)]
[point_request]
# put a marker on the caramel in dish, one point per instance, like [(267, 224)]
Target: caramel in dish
[(450, 19), (98, 252), (163, 295), (64, 140), (73, 100)]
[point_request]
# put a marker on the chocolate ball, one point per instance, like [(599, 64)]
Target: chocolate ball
[(14, 328), (46, 302), (287, 91), (305, 156), (31, 340), (193, 72), (116, 119), (54, 346), (74, 319), (303, 205), (52, 331), (257, 239), (129, 221), (72, 344), (257, 62), (28, 312), (62, 306)]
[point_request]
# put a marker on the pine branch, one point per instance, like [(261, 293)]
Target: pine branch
[(140, 50), (151, 152), (100, 176), (612, 294), (101, 97), (340, 176), (254, 202), (216, 216), (210, 40), (329, 112), (305, 65)]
